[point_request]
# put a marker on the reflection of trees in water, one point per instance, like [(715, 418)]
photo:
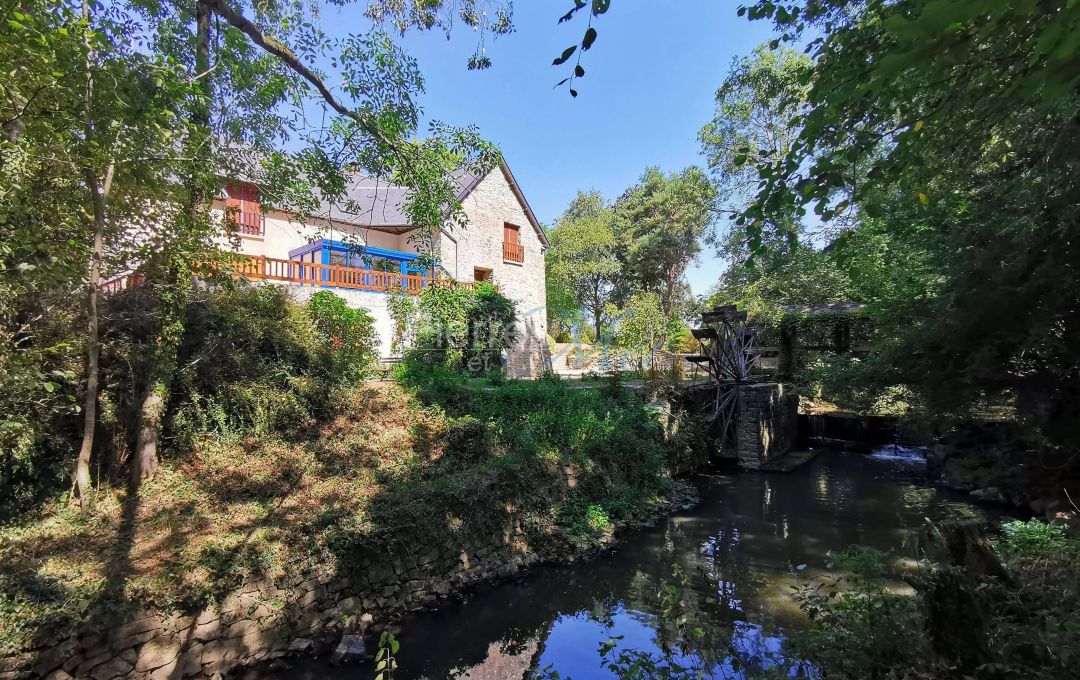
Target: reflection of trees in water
[(737, 550), (505, 660)]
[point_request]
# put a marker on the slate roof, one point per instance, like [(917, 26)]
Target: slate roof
[(376, 204), (371, 202)]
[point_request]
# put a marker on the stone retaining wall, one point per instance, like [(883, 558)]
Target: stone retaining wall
[(768, 423), (270, 619)]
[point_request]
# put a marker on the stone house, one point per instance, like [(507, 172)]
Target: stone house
[(366, 252)]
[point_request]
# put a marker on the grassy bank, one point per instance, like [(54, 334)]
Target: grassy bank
[(390, 469)]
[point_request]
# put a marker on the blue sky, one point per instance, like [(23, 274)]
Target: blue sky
[(648, 89)]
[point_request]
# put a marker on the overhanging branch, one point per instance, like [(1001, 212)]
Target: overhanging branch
[(281, 51)]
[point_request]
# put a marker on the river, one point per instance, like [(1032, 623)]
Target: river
[(751, 538)]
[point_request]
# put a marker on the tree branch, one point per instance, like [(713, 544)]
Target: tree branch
[(281, 51)]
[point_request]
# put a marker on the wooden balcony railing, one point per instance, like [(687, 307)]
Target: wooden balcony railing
[(513, 252), (122, 283), (246, 222), (307, 273), (336, 276)]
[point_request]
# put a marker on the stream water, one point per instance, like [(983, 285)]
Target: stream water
[(752, 537)]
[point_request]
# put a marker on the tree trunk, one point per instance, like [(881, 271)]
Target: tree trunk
[(597, 311), (175, 273), (93, 345), (98, 195), (786, 362), (146, 459)]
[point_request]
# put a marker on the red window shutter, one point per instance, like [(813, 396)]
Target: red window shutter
[(242, 207), (511, 235)]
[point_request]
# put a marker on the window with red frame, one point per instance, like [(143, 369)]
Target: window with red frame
[(242, 209)]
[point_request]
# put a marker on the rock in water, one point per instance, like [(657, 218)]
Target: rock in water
[(990, 494), (351, 648), (300, 645)]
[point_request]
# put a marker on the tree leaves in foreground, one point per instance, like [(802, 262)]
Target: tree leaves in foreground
[(968, 112)]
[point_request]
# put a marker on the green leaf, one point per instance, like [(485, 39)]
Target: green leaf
[(600, 6), (567, 53), (589, 39), (578, 71)]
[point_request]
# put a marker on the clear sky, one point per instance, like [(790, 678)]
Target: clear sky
[(648, 89)]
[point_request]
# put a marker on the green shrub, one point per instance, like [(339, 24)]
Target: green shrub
[(252, 360), (40, 378), (539, 430), (349, 346), (1035, 539), (862, 629), (491, 329), (457, 326)]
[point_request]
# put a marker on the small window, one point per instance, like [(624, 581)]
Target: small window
[(481, 274), (242, 209)]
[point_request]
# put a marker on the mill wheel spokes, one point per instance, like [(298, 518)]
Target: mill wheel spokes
[(727, 353)]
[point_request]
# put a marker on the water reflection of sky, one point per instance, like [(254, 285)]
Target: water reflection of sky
[(752, 538), (572, 645)]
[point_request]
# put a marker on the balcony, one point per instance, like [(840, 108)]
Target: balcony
[(242, 209), (133, 280), (333, 276), (513, 252), (246, 223), (330, 264)]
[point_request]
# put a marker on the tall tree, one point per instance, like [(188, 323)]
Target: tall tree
[(972, 108), (583, 259), (754, 123), (664, 219), (85, 98)]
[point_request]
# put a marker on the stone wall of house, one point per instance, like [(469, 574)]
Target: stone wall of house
[(480, 245), (267, 619), (768, 423)]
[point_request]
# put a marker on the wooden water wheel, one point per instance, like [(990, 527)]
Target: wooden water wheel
[(727, 354)]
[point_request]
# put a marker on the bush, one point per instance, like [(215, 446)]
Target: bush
[(492, 328), (41, 366), (865, 631), (1034, 539), (862, 630), (610, 442), (457, 326), (252, 360), (349, 343)]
